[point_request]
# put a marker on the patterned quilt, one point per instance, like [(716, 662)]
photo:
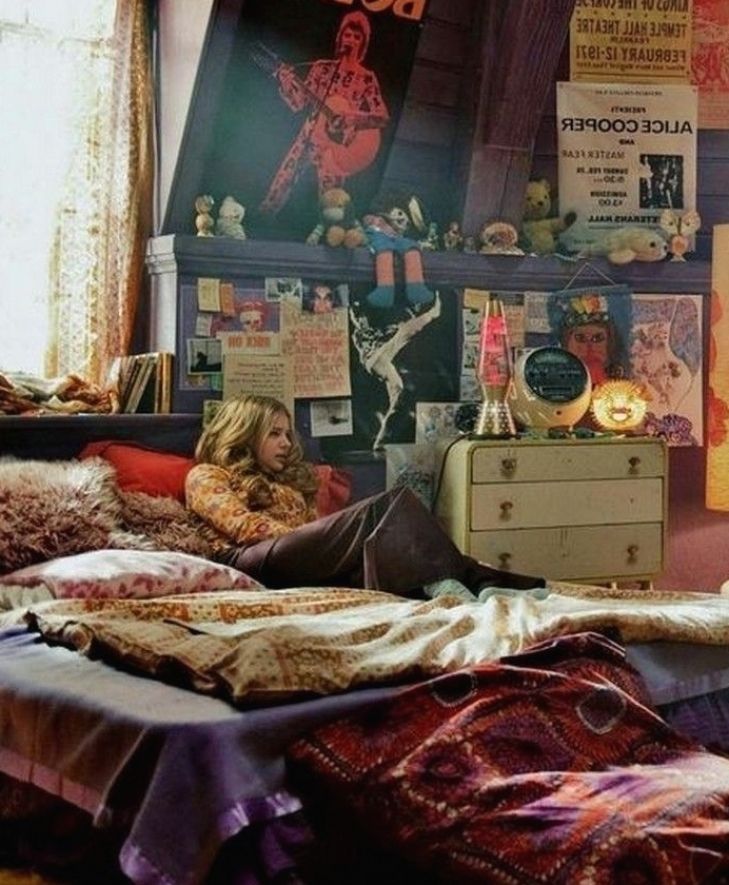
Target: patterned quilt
[(548, 767), (267, 646)]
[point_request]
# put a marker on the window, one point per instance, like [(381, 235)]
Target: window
[(61, 108)]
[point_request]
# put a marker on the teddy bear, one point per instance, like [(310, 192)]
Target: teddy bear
[(540, 228), (626, 244), (204, 223), (230, 219), (337, 222)]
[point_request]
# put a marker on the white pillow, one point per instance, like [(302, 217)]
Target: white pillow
[(128, 574), (12, 596)]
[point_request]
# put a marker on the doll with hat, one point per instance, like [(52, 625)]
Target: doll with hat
[(387, 226)]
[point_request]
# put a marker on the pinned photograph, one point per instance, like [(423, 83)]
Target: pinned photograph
[(204, 356), (331, 417), (278, 288)]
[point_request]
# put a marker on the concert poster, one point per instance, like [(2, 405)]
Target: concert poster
[(310, 99)]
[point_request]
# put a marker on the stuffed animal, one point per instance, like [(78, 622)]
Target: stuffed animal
[(387, 226), (499, 238), (540, 228), (453, 237), (628, 244), (431, 242), (230, 219), (679, 228), (204, 223), (337, 222)]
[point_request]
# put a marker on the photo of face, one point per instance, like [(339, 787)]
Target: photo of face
[(251, 319), (591, 343), (323, 300)]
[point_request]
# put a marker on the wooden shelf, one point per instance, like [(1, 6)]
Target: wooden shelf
[(226, 257), (63, 436)]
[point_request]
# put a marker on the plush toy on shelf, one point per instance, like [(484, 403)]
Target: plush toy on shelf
[(453, 237), (337, 222), (204, 223), (679, 228), (387, 227), (499, 238), (626, 244), (230, 219), (540, 227)]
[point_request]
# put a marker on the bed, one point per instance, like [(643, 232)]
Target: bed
[(163, 720)]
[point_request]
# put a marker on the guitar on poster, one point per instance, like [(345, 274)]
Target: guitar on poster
[(346, 112)]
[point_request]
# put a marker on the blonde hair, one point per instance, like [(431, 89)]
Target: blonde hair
[(236, 432)]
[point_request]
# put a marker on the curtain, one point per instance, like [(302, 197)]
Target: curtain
[(105, 216), (717, 444)]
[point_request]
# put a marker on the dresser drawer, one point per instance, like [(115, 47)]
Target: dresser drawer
[(586, 553), (534, 463), (584, 502)]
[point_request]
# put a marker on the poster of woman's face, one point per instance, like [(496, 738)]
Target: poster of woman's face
[(324, 297)]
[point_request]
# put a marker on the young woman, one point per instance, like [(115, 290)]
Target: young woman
[(253, 487)]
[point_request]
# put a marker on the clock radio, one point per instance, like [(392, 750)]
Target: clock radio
[(551, 387)]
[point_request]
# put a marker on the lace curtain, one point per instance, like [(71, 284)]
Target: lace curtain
[(104, 217)]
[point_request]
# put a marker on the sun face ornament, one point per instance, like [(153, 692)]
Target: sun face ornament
[(619, 405)]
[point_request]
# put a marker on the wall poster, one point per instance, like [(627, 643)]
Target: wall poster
[(308, 97), (655, 340), (666, 358), (643, 41), (625, 153), (710, 62)]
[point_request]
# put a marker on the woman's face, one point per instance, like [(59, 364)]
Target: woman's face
[(274, 447), (589, 342)]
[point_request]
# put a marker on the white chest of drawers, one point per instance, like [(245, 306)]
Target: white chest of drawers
[(590, 510)]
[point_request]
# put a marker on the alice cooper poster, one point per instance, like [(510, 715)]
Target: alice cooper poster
[(310, 100)]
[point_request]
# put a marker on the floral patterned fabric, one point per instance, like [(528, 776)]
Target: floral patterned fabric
[(248, 510), (546, 767), (272, 645)]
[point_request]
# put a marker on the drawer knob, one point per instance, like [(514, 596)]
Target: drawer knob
[(633, 553), (508, 466), (506, 508), (504, 561), (634, 464)]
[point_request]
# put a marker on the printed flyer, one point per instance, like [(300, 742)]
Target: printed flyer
[(644, 41), (625, 153), (710, 62)]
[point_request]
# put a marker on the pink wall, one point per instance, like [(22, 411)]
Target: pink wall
[(698, 539)]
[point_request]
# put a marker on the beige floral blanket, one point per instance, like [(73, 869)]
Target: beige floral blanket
[(266, 646)]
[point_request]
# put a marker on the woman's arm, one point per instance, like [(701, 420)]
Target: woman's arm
[(209, 494)]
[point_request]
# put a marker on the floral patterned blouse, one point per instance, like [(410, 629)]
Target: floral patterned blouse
[(245, 510)]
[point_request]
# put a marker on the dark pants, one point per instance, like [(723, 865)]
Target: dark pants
[(389, 541)]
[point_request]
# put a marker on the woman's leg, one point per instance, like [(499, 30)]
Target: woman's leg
[(327, 551), (389, 541)]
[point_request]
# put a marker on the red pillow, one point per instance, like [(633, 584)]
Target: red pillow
[(139, 469), (335, 489)]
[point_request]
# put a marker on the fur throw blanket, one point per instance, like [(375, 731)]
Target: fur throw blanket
[(58, 508)]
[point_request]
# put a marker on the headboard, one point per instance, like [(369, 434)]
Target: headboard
[(63, 436)]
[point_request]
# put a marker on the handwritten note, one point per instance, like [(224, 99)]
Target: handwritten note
[(208, 294), (262, 375)]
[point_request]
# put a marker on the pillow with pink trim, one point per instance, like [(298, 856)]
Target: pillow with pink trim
[(129, 574)]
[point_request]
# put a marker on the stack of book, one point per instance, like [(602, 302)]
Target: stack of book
[(143, 382)]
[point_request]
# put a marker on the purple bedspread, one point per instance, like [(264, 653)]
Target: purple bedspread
[(188, 771)]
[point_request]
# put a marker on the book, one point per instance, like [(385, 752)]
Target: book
[(145, 382), (143, 378), (163, 383)]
